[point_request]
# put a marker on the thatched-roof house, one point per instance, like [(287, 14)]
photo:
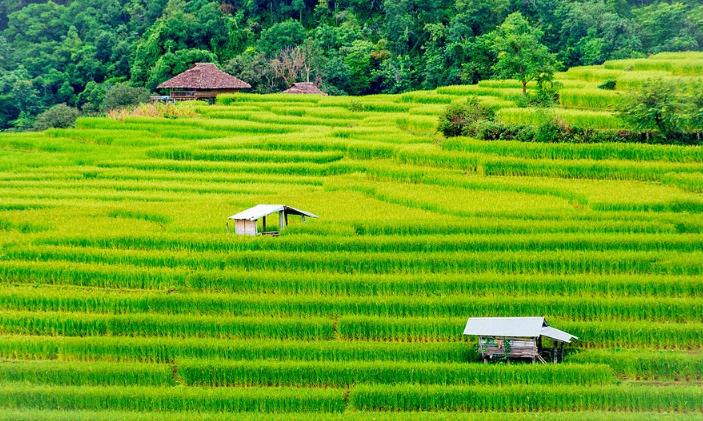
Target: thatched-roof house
[(304, 88), (202, 81)]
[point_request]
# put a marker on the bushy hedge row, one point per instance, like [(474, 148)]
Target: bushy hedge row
[(474, 120)]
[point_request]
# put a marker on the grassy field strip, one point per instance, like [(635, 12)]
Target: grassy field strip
[(347, 284), (98, 415), (626, 364), (600, 262), (391, 243), (586, 119), (296, 169), (72, 324), (600, 334), (167, 350), (221, 373), (496, 165), (371, 397), (123, 302), (144, 398), (535, 398), (48, 196), (246, 155), (135, 186), (600, 151), (79, 373), (115, 174)]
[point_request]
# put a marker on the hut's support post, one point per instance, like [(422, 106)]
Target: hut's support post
[(263, 224), (554, 353), (281, 220), (561, 352), (302, 218), (286, 217)]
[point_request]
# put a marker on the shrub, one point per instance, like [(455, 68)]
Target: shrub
[(355, 106), (551, 130), (608, 85), (58, 116), (547, 94), (458, 118), (123, 95)]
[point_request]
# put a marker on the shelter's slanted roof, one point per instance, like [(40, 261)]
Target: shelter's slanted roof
[(260, 211), (204, 76), (557, 334), (527, 327), (304, 88)]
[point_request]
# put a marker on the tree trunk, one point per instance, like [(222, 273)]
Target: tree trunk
[(524, 88)]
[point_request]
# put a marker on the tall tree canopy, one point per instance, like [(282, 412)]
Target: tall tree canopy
[(520, 54), (73, 51)]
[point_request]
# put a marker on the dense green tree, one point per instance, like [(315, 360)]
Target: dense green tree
[(362, 61), (656, 107), (520, 55), (91, 99), (171, 64), (289, 33), (665, 27), (255, 68), (592, 32), (18, 95), (694, 111)]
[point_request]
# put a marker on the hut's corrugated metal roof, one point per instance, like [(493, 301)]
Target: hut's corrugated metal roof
[(260, 211), (304, 88), (527, 327), (557, 334), (505, 326), (204, 76)]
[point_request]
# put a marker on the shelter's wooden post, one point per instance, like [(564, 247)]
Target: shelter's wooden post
[(561, 352), (303, 218), (286, 216), (281, 220), (263, 224), (554, 352)]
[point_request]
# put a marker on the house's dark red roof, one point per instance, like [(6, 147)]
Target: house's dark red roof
[(304, 88), (204, 76)]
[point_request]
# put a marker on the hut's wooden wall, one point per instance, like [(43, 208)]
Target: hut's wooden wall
[(516, 347), (244, 227)]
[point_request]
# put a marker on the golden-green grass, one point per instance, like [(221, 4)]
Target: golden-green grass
[(125, 297)]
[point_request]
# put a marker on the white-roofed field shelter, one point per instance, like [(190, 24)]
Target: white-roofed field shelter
[(517, 337), (246, 221)]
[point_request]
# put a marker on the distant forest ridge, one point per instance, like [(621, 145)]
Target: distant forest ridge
[(73, 51)]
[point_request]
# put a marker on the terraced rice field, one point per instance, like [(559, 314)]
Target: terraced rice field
[(124, 298)]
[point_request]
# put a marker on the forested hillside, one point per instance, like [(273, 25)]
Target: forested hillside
[(72, 51)]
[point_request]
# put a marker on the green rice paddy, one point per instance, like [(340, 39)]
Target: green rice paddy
[(123, 296)]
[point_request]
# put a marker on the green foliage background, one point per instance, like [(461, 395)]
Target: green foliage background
[(65, 51)]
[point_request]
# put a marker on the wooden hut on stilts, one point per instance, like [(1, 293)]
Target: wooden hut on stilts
[(517, 337), (246, 221)]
